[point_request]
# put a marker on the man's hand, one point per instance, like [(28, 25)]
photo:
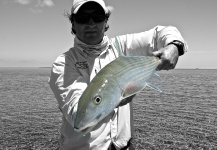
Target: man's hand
[(168, 57)]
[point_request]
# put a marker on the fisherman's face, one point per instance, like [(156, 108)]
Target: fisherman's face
[(88, 29)]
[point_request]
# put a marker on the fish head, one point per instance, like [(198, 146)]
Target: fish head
[(97, 101)]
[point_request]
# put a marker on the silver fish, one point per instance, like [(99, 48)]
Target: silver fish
[(121, 78)]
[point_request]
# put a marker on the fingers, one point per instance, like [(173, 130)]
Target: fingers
[(168, 58), (159, 67), (165, 64)]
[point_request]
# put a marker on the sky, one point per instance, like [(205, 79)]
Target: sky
[(34, 32)]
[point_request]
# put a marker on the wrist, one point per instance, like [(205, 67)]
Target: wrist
[(179, 45)]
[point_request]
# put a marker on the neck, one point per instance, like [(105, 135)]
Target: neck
[(92, 49), (92, 43)]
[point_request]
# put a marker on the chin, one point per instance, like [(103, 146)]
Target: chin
[(93, 41)]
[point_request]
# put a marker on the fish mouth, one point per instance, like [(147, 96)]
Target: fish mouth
[(87, 128), (84, 131)]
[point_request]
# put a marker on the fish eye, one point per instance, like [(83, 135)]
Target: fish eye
[(97, 100)]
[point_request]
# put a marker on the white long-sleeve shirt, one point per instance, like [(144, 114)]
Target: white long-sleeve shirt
[(72, 72)]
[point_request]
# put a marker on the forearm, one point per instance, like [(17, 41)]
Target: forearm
[(145, 43), (169, 34)]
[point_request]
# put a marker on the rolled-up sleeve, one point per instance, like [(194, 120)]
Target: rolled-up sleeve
[(67, 85), (144, 43)]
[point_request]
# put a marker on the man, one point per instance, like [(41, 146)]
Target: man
[(72, 72)]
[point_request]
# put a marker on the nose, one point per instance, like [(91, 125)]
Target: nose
[(91, 23)]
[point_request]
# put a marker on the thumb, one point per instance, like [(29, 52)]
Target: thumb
[(157, 54)]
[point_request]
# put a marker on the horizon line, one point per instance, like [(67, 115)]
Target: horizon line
[(161, 70)]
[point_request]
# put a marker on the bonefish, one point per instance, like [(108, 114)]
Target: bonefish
[(121, 78)]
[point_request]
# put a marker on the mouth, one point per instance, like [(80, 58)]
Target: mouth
[(90, 31)]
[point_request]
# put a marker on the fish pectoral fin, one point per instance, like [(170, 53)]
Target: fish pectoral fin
[(155, 82), (154, 87), (131, 89)]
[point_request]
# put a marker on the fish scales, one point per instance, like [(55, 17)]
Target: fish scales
[(138, 71), (131, 67), (123, 64)]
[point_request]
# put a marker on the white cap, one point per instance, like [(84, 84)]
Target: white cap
[(78, 3)]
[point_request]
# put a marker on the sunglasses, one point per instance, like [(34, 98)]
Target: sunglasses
[(84, 18)]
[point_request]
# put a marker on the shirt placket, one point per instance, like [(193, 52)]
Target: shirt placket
[(96, 69), (113, 125)]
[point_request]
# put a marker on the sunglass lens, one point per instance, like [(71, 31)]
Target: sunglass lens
[(98, 18), (82, 19)]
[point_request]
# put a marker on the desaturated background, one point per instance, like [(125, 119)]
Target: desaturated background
[(34, 32)]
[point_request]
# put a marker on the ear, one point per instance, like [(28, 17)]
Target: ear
[(73, 28), (106, 20), (106, 26), (73, 25)]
